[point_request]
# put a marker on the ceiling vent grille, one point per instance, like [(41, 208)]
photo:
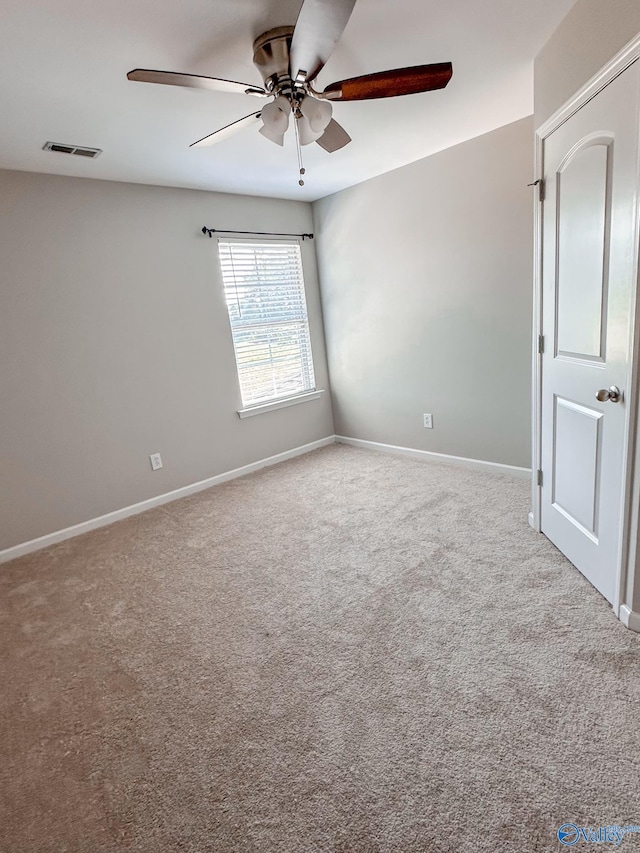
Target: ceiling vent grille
[(78, 150)]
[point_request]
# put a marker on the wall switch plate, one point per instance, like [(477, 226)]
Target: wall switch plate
[(156, 461), (428, 421)]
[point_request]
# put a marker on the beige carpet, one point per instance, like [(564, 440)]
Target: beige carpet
[(346, 652)]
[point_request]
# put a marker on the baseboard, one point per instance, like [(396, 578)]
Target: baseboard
[(630, 618), (479, 464), (118, 515), (102, 521)]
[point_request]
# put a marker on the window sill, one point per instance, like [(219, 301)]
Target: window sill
[(279, 404)]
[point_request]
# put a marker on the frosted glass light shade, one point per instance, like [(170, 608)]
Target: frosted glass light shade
[(305, 133), (275, 120), (318, 113)]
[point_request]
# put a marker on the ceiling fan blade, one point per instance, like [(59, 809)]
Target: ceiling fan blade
[(389, 84), (318, 29), (334, 137), (228, 130), (195, 81)]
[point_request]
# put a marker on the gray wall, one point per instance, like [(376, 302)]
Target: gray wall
[(115, 343), (426, 288), (588, 37)]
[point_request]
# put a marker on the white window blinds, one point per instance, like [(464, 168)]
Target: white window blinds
[(264, 289)]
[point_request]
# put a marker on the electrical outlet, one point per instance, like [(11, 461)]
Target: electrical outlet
[(156, 461), (428, 421)]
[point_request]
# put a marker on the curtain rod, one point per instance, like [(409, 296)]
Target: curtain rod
[(212, 231)]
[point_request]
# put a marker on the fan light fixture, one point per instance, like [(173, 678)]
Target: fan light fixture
[(311, 117)]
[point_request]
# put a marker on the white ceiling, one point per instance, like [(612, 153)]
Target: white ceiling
[(63, 68)]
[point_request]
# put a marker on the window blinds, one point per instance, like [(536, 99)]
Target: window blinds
[(264, 290)]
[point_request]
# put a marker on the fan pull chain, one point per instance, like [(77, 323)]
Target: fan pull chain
[(298, 149)]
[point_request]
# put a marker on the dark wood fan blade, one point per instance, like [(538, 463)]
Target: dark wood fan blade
[(318, 29), (228, 130), (195, 81), (389, 84), (334, 137)]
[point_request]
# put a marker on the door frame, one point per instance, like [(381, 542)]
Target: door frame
[(628, 573)]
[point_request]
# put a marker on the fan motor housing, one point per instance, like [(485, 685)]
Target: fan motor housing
[(271, 56)]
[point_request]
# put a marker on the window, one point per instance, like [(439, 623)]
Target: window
[(264, 289)]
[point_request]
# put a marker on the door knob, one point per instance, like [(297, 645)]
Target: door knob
[(612, 394)]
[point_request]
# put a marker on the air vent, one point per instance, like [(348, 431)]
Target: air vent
[(78, 150)]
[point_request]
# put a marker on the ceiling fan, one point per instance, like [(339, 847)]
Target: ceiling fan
[(289, 60)]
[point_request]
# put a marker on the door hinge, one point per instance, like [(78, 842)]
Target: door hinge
[(540, 184), (540, 344), (539, 476)]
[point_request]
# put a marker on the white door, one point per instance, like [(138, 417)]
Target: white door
[(588, 270)]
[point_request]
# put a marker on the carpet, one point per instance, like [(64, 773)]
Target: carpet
[(349, 652)]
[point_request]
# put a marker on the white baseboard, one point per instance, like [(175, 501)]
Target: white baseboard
[(479, 464), (103, 520), (630, 618)]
